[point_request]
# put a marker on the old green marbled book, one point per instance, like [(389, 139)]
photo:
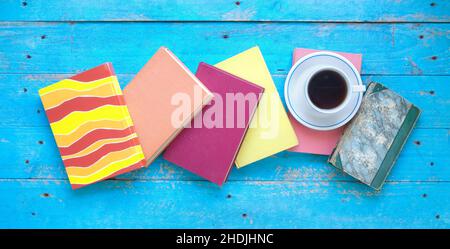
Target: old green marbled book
[(373, 140)]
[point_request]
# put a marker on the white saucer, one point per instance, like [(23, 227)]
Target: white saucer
[(294, 92)]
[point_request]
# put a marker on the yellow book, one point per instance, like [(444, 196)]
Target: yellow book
[(270, 131)]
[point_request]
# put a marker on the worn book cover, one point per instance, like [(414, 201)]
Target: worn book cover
[(209, 146), (92, 126), (162, 98), (373, 140), (270, 130)]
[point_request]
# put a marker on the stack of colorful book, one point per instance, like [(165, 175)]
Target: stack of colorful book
[(223, 115), (226, 114)]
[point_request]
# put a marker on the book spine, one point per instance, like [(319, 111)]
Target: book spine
[(396, 147), (127, 117)]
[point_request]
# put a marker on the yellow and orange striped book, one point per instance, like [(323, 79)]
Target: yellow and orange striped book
[(92, 126)]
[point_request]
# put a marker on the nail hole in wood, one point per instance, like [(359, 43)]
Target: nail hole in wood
[(431, 163), (417, 142), (40, 142), (33, 213), (25, 90), (228, 196), (27, 161), (244, 215), (421, 36), (24, 4), (434, 58), (432, 4), (45, 195), (43, 37), (438, 216), (28, 56), (424, 195), (38, 111), (238, 3), (225, 36)]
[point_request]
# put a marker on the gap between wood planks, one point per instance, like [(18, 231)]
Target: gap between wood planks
[(230, 180), (69, 74), (228, 21)]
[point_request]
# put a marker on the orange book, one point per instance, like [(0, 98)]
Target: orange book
[(162, 99)]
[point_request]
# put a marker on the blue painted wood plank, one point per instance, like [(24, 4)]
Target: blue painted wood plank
[(227, 10), (388, 49), (298, 190), (32, 153), (181, 204), (431, 94)]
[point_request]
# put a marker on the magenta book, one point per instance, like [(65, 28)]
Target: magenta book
[(209, 146)]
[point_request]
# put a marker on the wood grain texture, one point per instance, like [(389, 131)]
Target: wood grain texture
[(393, 49), (405, 45), (227, 10), (183, 204)]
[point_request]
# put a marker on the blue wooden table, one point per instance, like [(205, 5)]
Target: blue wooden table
[(405, 45)]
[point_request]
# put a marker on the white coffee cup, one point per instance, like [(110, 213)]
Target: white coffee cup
[(351, 89), (327, 115)]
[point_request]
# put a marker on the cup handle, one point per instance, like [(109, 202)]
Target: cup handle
[(358, 88)]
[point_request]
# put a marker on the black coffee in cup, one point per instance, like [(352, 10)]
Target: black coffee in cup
[(327, 89)]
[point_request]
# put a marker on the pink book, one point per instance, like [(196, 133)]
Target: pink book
[(312, 141), (209, 146)]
